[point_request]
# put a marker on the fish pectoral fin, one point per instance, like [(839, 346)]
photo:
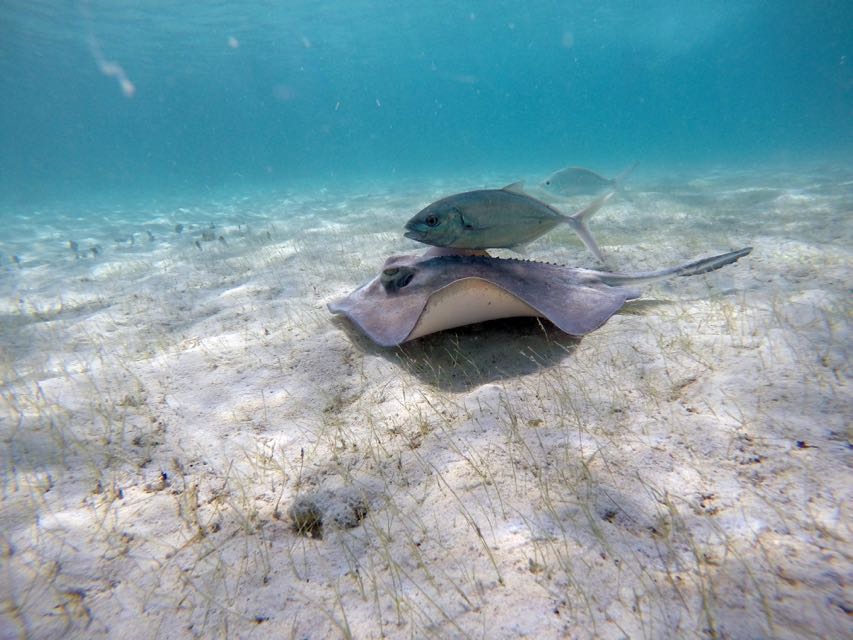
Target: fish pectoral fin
[(467, 225), (516, 187)]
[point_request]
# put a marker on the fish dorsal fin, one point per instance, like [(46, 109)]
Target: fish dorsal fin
[(516, 187)]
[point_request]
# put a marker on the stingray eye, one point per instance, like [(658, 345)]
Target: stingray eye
[(395, 278), (432, 220)]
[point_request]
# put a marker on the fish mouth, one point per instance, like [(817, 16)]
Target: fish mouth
[(419, 236), (415, 231)]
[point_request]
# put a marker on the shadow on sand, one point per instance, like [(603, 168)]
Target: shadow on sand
[(462, 359)]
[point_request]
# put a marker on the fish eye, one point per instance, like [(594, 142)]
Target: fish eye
[(392, 271), (547, 183), (431, 220)]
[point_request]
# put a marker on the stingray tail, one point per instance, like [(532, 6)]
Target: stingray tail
[(691, 269), (577, 221)]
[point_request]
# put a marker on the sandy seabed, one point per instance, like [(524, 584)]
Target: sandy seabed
[(193, 447)]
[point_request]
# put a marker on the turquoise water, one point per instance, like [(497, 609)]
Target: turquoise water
[(186, 186), (105, 99)]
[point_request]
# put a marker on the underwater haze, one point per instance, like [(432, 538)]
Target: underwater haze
[(181, 96), (194, 445)]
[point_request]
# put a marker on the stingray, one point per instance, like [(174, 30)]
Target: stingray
[(415, 295)]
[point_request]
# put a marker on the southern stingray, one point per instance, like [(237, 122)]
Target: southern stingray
[(417, 295)]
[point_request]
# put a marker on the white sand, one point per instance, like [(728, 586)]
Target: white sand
[(684, 472)]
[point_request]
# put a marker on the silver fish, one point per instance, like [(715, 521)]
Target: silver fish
[(577, 181), (496, 218)]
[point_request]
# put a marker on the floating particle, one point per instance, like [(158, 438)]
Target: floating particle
[(283, 92)]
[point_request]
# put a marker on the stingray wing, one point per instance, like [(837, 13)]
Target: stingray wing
[(387, 319), (579, 309), (574, 307)]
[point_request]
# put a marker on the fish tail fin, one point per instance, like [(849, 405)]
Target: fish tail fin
[(618, 181), (577, 221), (691, 269)]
